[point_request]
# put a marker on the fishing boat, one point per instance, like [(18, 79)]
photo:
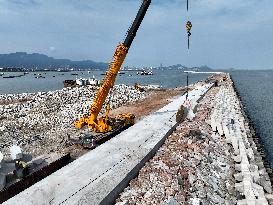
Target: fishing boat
[(81, 82), (9, 76), (145, 72), (39, 76), (93, 81)]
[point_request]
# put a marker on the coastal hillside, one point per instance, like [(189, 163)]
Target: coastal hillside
[(41, 61)]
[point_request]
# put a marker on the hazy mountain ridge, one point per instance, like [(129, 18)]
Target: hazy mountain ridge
[(41, 61), (182, 67), (37, 61)]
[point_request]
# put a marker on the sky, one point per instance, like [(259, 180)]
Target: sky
[(225, 34)]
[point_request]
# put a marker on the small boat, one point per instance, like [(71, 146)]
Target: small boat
[(80, 82), (18, 76), (93, 81), (145, 72), (39, 76), (2, 74), (9, 76), (70, 83), (74, 74)]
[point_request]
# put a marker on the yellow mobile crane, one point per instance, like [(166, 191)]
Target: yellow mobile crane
[(103, 124)]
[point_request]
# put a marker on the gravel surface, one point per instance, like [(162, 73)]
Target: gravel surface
[(42, 122)]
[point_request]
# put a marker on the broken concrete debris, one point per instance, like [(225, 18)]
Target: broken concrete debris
[(208, 160), (42, 122)]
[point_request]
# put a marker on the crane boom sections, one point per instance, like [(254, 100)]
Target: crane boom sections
[(109, 80), (101, 125)]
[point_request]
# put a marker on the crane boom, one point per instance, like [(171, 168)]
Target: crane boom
[(101, 124)]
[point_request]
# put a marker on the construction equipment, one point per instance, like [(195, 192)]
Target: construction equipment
[(105, 124), (21, 168)]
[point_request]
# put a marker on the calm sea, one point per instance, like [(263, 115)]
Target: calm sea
[(256, 91), (28, 83)]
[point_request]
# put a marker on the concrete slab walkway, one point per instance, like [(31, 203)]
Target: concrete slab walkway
[(100, 175)]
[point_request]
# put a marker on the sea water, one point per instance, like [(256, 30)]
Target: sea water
[(256, 91)]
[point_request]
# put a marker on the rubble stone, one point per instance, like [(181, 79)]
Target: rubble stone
[(43, 122)]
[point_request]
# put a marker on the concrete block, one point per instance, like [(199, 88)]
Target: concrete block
[(242, 202), (269, 197), (256, 176), (266, 184), (16, 152), (2, 181), (220, 128), (213, 124), (227, 134), (195, 201), (250, 154), (238, 177), (237, 158), (239, 187), (234, 142)]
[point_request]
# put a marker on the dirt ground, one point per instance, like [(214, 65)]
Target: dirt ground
[(156, 100)]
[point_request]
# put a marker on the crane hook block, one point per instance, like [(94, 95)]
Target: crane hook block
[(188, 27)]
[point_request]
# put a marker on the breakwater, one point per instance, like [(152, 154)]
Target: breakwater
[(255, 89), (212, 159)]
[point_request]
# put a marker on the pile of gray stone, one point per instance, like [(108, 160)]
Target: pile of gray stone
[(194, 166), (211, 159), (42, 122)]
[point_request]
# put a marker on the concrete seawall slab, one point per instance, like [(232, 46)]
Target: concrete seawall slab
[(98, 176)]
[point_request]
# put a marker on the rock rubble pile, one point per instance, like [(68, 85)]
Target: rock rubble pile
[(252, 180), (193, 166), (42, 122), (205, 161)]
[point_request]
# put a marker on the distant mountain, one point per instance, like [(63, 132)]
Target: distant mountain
[(41, 61), (182, 67)]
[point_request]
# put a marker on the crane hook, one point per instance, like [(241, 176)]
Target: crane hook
[(188, 27)]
